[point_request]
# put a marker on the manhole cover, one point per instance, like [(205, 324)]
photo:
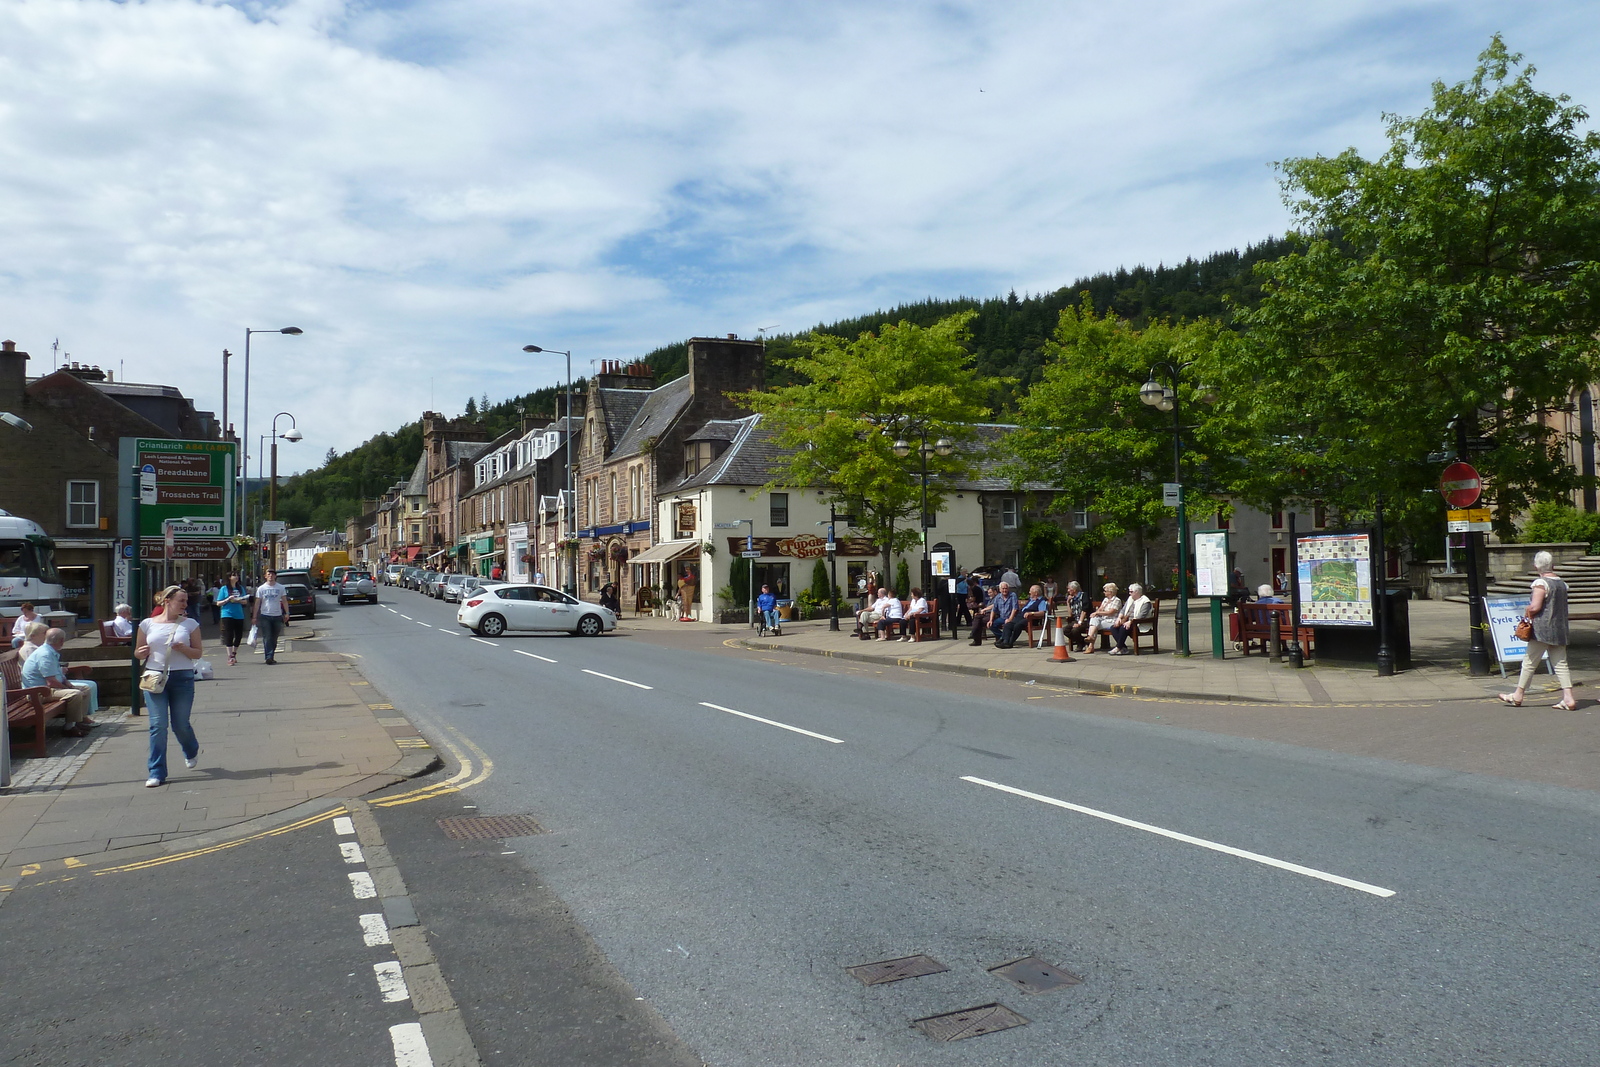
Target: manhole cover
[(969, 1022), (1033, 975), (489, 827), (894, 970)]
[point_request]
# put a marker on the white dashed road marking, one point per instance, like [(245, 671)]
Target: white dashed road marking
[(351, 852), (614, 678), (530, 655), (770, 722), (391, 983), (374, 930), (343, 826), (408, 618), (1254, 857), (362, 886), (481, 641), (410, 1050)]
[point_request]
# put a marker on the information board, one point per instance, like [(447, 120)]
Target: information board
[(194, 480), (1502, 614), (1335, 579), (1211, 563)]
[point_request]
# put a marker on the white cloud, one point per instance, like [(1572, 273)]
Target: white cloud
[(424, 188)]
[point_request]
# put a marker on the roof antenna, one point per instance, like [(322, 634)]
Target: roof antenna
[(762, 330), (55, 349)]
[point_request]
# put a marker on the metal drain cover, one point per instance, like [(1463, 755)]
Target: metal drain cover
[(489, 827), (1033, 975), (894, 970), (969, 1022)]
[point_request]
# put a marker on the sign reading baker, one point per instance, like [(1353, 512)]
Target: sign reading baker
[(805, 546)]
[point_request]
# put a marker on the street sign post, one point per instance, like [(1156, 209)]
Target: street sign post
[(1460, 485), (1171, 494), (1469, 520)]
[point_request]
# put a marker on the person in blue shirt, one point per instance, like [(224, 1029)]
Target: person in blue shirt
[(1003, 612), (231, 597), (767, 604), (44, 668)]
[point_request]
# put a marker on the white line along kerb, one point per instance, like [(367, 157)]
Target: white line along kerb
[(1254, 857), (770, 722), (614, 678)]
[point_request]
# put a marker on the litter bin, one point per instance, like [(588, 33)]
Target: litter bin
[(1358, 645)]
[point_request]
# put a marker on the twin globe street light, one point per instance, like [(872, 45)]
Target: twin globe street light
[(1165, 398), (942, 447)]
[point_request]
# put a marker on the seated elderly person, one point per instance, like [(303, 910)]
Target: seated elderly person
[(1002, 614), (1075, 614), (869, 617), (32, 640), (122, 625), (1103, 616), (917, 606), (1036, 608), (44, 668), (1265, 595), (19, 628), (1138, 608), (890, 615)]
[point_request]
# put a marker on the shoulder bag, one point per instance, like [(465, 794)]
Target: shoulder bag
[(1524, 629)]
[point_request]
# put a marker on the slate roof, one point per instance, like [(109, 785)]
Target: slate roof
[(718, 430), (621, 407), (418, 485), (660, 407)]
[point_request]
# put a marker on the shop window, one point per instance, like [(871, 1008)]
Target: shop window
[(1008, 513), (778, 509), (83, 505), (774, 574)]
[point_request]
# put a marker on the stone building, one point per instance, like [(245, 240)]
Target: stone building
[(449, 446)]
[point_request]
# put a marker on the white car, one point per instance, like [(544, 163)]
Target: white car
[(496, 609)]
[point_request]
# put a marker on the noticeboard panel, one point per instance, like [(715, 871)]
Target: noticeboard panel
[(1335, 579)]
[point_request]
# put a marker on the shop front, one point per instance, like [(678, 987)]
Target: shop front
[(519, 553)]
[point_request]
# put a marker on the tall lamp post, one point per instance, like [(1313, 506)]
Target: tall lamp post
[(291, 434), (1165, 398), (571, 555), (943, 447), (244, 435), (749, 544)]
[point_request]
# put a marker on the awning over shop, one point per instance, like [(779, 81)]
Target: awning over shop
[(439, 553), (412, 553), (667, 551), (483, 546)]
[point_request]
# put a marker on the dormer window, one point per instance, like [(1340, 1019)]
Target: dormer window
[(697, 456)]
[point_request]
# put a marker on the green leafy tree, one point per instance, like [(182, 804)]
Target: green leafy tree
[(821, 589), (1084, 431), (853, 399), (902, 578), (1455, 277)]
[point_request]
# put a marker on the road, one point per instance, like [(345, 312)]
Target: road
[(734, 833)]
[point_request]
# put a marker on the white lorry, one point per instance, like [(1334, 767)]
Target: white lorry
[(27, 567)]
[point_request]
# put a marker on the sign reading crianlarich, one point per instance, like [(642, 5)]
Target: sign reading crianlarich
[(194, 483), (1335, 579)]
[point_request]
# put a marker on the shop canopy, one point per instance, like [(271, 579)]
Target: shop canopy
[(667, 551)]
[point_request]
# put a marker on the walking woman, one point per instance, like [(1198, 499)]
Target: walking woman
[(231, 597), (170, 643), (1548, 610)]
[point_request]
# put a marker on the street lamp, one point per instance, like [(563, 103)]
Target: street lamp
[(244, 435), (943, 447), (571, 587), (292, 434), (1165, 398)]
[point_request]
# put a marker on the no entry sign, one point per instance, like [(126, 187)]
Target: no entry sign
[(1460, 485)]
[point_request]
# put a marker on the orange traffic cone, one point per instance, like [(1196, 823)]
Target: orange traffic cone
[(1060, 653)]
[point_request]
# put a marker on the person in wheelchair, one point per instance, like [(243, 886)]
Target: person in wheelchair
[(767, 604)]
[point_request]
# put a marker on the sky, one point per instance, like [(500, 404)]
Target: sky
[(424, 188)]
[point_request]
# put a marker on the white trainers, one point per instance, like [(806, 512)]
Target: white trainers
[(151, 783), (190, 761)]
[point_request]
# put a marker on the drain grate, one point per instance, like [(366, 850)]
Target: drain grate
[(969, 1022), (1033, 975), (489, 827), (885, 971)]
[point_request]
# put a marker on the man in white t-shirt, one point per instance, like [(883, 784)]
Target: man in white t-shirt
[(269, 615)]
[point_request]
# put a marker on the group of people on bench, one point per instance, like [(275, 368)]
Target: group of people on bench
[(1114, 615), (887, 614)]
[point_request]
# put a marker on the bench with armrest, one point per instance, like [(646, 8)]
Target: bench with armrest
[(31, 708), (108, 635), (1146, 628), (1255, 626)]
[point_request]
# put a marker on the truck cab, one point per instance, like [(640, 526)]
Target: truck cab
[(27, 567)]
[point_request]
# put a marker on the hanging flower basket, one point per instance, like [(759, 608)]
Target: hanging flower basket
[(619, 551), (596, 554)]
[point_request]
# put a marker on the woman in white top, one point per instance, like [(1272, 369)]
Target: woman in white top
[(170, 643), (1102, 617)]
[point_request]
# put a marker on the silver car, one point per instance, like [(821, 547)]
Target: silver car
[(451, 589), (357, 585)]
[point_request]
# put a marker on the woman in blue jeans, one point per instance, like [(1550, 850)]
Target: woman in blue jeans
[(170, 642)]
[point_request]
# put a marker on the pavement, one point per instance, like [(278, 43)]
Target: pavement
[(1439, 636), (271, 739)]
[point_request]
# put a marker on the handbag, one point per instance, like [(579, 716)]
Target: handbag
[(1524, 629), (154, 681)]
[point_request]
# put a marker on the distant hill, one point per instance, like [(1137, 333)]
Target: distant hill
[(1008, 338)]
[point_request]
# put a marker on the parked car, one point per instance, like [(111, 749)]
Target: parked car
[(357, 585), (294, 577), (435, 586), (497, 609), (391, 574), (410, 576), (302, 601), (450, 589)]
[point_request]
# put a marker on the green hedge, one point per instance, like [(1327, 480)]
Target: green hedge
[(1557, 522)]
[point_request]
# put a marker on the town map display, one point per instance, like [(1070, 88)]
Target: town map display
[(1335, 579)]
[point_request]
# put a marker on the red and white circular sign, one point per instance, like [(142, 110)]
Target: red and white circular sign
[(1460, 485)]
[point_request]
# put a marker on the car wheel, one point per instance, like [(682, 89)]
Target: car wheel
[(491, 625), (591, 626)]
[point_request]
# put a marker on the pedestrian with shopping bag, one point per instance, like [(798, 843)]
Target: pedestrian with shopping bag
[(169, 645), (271, 599)]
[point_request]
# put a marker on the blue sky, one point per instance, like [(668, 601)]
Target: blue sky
[(426, 187)]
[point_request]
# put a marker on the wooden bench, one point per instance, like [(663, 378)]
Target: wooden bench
[(29, 708), (1255, 626), (108, 636), (1144, 628)]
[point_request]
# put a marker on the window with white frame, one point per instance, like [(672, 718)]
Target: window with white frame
[(83, 504), (1080, 518), (612, 516), (1008, 513), (778, 509)]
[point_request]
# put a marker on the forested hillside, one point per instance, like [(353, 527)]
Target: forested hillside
[(1008, 338)]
